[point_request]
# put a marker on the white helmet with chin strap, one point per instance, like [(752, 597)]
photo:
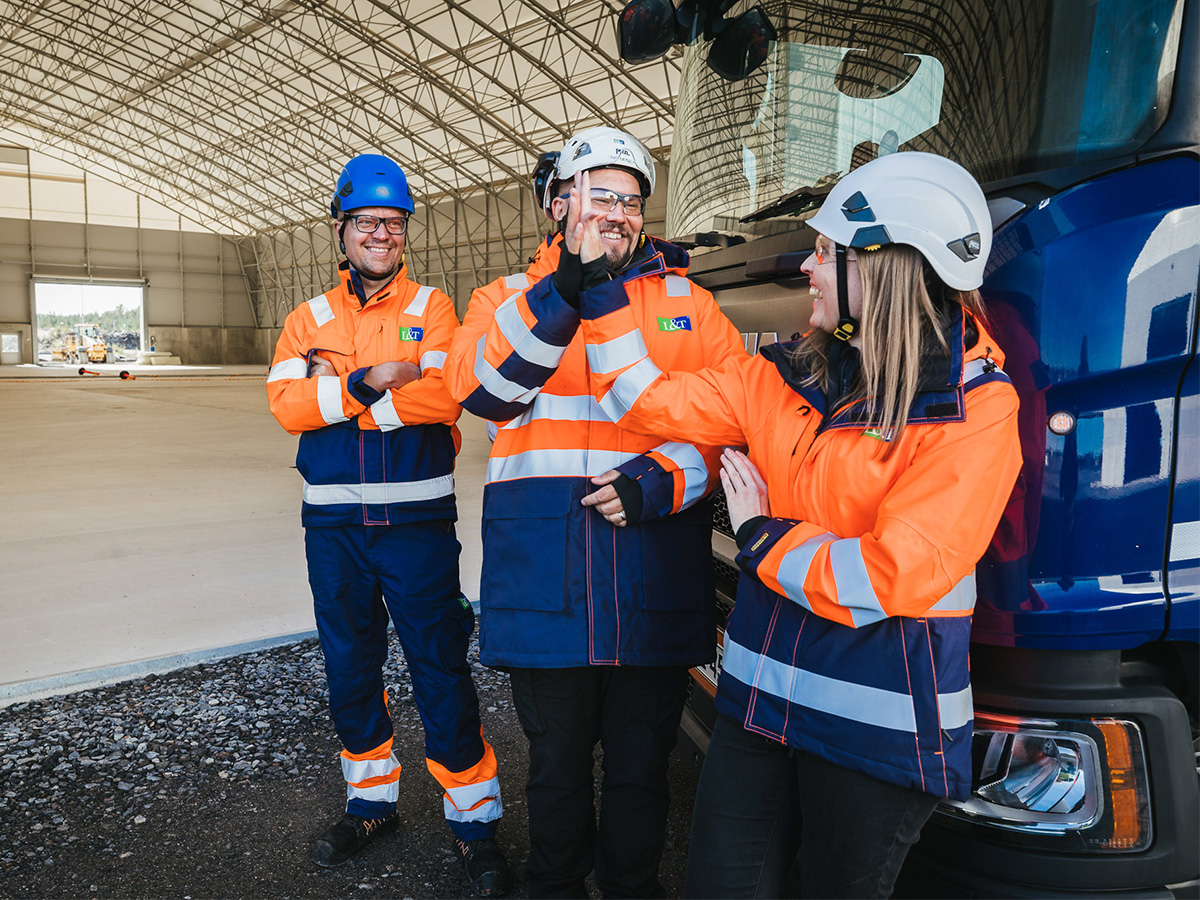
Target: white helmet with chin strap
[(919, 199), (602, 147)]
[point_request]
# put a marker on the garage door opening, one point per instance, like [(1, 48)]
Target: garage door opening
[(89, 322)]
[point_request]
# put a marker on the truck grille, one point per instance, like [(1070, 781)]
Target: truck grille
[(721, 514)]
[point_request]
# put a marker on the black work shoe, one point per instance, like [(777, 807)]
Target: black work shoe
[(347, 837), (487, 871)]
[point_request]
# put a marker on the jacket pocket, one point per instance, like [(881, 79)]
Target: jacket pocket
[(677, 568), (525, 545)]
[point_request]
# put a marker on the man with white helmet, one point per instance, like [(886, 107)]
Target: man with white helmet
[(358, 375), (597, 587)]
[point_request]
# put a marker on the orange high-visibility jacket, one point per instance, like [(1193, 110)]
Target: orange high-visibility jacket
[(366, 456), (850, 634), (561, 586)]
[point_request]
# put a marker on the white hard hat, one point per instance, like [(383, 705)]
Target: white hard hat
[(919, 199), (602, 147)]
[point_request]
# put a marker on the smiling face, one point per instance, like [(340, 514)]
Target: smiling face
[(821, 269), (375, 256), (619, 231)]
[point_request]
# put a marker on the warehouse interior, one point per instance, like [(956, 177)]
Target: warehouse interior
[(192, 148)]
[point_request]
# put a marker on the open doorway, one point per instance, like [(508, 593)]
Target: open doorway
[(89, 322)]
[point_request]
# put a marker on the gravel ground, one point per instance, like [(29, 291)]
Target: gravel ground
[(212, 781)]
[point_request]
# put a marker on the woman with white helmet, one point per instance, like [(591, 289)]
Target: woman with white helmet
[(882, 449)]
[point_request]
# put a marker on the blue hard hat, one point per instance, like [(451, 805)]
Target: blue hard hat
[(370, 180)]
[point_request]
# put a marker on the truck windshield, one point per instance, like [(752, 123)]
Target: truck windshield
[(1005, 89)]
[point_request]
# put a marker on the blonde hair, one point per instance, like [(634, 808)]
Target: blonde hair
[(905, 320)]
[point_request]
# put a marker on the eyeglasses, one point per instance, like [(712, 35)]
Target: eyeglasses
[(825, 252), (369, 224), (632, 204)]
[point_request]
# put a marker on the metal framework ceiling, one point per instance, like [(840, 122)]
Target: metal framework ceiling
[(239, 114)]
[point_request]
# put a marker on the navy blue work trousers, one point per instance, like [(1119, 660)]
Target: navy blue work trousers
[(633, 711), (758, 803), (359, 575)]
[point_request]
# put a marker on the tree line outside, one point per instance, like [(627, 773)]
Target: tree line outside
[(120, 326)]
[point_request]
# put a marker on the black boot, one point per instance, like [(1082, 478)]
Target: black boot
[(486, 869), (347, 837)]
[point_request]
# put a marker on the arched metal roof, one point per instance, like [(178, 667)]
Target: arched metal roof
[(239, 114)]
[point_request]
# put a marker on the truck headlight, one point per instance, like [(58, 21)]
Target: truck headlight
[(1073, 785)]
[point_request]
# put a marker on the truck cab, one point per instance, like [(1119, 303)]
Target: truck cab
[(1081, 119)]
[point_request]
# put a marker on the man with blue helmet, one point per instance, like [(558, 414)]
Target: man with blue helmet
[(357, 374)]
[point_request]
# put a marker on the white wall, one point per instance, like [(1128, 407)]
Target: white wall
[(57, 222)]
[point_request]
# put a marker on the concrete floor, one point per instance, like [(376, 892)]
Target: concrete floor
[(147, 524)]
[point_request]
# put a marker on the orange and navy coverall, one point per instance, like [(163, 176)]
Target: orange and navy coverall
[(378, 510), (849, 638), (561, 586)]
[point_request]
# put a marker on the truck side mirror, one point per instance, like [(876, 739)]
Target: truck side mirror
[(743, 45)]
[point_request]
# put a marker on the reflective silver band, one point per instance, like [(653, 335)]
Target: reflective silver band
[(383, 411), (677, 286), (380, 492), (419, 301), (296, 367), (627, 387), (854, 590), (523, 341), (495, 383), (693, 466), (560, 408), (555, 464), (434, 359), (321, 311), (329, 399), (857, 702), (617, 353)]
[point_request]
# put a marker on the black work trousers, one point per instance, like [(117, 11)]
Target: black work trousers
[(758, 802), (633, 711)]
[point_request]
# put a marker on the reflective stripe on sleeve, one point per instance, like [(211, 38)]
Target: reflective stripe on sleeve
[(960, 598), (627, 387), (433, 359), (296, 367), (677, 286), (419, 301), (383, 411), (524, 342), (857, 702), (329, 399), (794, 566), (555, 464), (691, 463), (854, 590), (321, 311), (517, 281), (379, 492), (617, 353), (495, 383)]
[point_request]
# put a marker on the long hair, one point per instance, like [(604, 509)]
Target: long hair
[(905, 317)]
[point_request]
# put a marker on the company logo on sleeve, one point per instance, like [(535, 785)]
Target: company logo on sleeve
[(679, 323), (411, 334)]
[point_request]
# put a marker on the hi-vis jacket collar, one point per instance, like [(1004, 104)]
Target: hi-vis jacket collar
[(350, 277), (940, 397), (664, 258)]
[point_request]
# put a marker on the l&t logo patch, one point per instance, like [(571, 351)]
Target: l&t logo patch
[(679, 323), (411, 334)]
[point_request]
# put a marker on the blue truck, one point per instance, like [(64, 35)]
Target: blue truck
[(1081, 118)]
